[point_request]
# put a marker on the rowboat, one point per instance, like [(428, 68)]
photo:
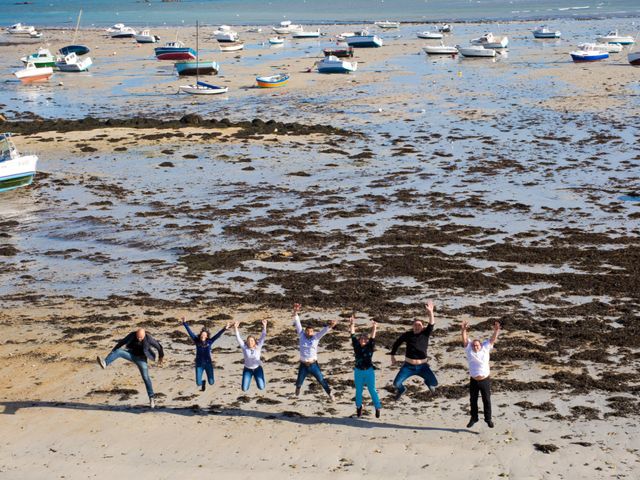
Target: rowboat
[(614, 37), (197, 67), (15, 170), (543, 32), (230, 46), (71, 63), (363, 40), (31, 73), (202, 88), (332, 64), (440, 50), (175, 51), (387, 24), (276, 40), (147, 37), (42, 58), (489, 40), (588, 53), (272, 81), (476, 51), (339, 52), (431, 35)]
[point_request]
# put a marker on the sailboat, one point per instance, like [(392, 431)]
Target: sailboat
[(201, 88), (77, 49)]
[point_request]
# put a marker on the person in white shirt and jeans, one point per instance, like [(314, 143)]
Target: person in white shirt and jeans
[(309, 352), (479, 383), (251, 350)]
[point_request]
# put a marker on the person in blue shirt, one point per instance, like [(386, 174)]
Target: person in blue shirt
[(204, 343), (364, 373)]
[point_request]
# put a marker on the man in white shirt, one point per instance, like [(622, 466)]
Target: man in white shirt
[(479, 382)]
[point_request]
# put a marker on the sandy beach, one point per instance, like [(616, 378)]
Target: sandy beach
[(504, 190)]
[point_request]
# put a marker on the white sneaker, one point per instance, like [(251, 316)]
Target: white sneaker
[(101, 363), (152, 403), (332, 397)]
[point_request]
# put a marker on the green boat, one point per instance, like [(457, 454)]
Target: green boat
[(42, 58)]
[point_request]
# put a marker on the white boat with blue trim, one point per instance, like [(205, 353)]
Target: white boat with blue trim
[(544, 32), (614, 37), (15, 170), (332, 64), (363, 40), (588, 52)]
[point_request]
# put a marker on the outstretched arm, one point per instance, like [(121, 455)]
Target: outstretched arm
[(496, 331), (374, 329), (465, 336), (263, 337), (238, 337), (219, 334), (352, 324), (189, 331), (326, 329), (429, 307), (296, 317)]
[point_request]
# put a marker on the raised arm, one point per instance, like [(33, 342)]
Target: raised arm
[(296, 317), (238, 337), (189, 331), (465, 336), (325, 330), (374, 329), (496, 331), (219, 334), (263, 336), (352, 324), (429, 307)]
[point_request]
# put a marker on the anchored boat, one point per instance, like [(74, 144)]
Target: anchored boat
[(31, 73), (272, 81), (175, 51), (15, 170)]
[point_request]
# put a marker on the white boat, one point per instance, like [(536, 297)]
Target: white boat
[(605, 47), (306, 34), (444, 28), (588, 53), (489, 40), (276, 40), (115, 28), (441, 49), (387, 24), (476, 51), (634, 58), (431, 35), (42, 58), (225, 34), (544, 32), (287, 27), (332, 64), (363, 40), (614, 37), (20, 29), (15, 170), (230, 46), (122, 32), (72, 63), (146, 37), (202, 88), (31, 73)]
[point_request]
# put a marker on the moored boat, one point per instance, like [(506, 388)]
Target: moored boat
[(287, 27), (544, 32), (430, 35), (346, 52), (363, 40), (332, 64), (77, 49), (42, 58), (276, 40), (197, 67), (146, 37), (121, 31), (444, 28), (306, 34), (634, 58), (15, 170), (31, 73), (175, 51), (230, 46), (588, 53), (489, 40), (20, 29), (202, 88), (606, 47), (272, 81), (387, 24), (225, 34), (614, 37), (476, 51), (440, 50), (71, 63)]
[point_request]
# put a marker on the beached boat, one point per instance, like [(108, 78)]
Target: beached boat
[(441, 49), (489, 40), (544, 32), (634, 58), (444, 28), (287, 27), (272, 81), (588, 53), (606, 47), (476, 51), (202, 88), (346, 52), (15, 170), (230, 46), (306, 34), (73, 48), (42, 58), (276, 40), (31, 73), (197, 67), (332, 64), (614, 37), (387, 24), (175, 51), (121, 31), (363, 40), (71, 63), (225, 34), (115, 28), (147, 37), (431, 35), (20, 29)]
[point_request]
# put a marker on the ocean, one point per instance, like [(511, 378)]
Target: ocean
[(100, 13)]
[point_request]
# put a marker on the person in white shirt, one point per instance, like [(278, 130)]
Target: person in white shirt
[(309, 341), (251, 350), (479, 382)]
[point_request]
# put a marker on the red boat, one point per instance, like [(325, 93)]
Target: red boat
[(175, 51), (339, 52)]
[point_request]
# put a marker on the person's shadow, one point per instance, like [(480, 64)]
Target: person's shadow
[(11, 408)]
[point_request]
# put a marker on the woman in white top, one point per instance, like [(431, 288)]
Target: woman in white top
[(251, 350), (479, 383)]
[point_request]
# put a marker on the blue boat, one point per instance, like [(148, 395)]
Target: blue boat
[(77, 49), (195, 67), (364, 40), (588, 53)]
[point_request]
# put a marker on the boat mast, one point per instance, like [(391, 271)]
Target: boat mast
[(77, 25), (197, 52)]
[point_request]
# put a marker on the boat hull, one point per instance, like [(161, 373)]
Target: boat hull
[(369, 41), (35, 75), (439, 50), (77, 49), (190, 55), (200, 90), (589, 58), (147, 39), (270, 82), (80, 66), (339, 52), (543, 35), (197, 68), (634, 58), (18, 172)]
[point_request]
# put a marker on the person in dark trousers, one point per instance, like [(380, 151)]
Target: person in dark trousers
[(479, 382), (136, 347), (363, 372), (204, 343), (415, 360)]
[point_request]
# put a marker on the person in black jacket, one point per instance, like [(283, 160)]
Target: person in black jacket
[(136, 347), (364, 371), (415, 361)]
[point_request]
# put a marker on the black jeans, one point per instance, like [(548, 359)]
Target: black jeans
[(482, 387)]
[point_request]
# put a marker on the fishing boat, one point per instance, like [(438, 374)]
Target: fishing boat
[(119, 30), (147, 37), (444, 28), (476, 51), (306, 34), (606, 47), (276, 40), (73, 48), (287, 27), (431, 35), (230, 46), (332, 64), (489, 40), (115, 28), (20, 29), (42, 58), (225, 34), (197, 67), (272, 81), (614, 37), (363, 40), (441, 49), (71, 63), (588, 53), (346, 52), (15, 170), (544, 32), (387, 24), (201, 88), (175, 51), (31, 73), (634, 58)]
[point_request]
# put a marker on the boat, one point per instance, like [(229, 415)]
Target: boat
[(31, 73), (71, 63), (441, 49), (332, 64), (272, 81), (431, 35), (146, 37), (121, 31), (489, 40), (544, 32), (305, 34), (197, 67), (115, 28), (387, 24), (42, 58), (476, 51), (230, 46), (175, 51), (634, 58), (346, 52), (606, 47), (77, 49), (363, 40), (444, 28), (20, 29), (201, 88), (225, 34), (15, 170), (276, 40), (588, 53), (614, 37), (287, 27)]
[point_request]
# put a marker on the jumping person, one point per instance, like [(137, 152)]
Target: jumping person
[(364, 373), (136, 347), (251, 351), (309, 352), (479, 382), (204, 343), (415, 361)]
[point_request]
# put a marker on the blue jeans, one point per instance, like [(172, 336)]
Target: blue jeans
[(248, 373), (140, 362), (200, 369), (366, 378), (313, 369), (408, 370)]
